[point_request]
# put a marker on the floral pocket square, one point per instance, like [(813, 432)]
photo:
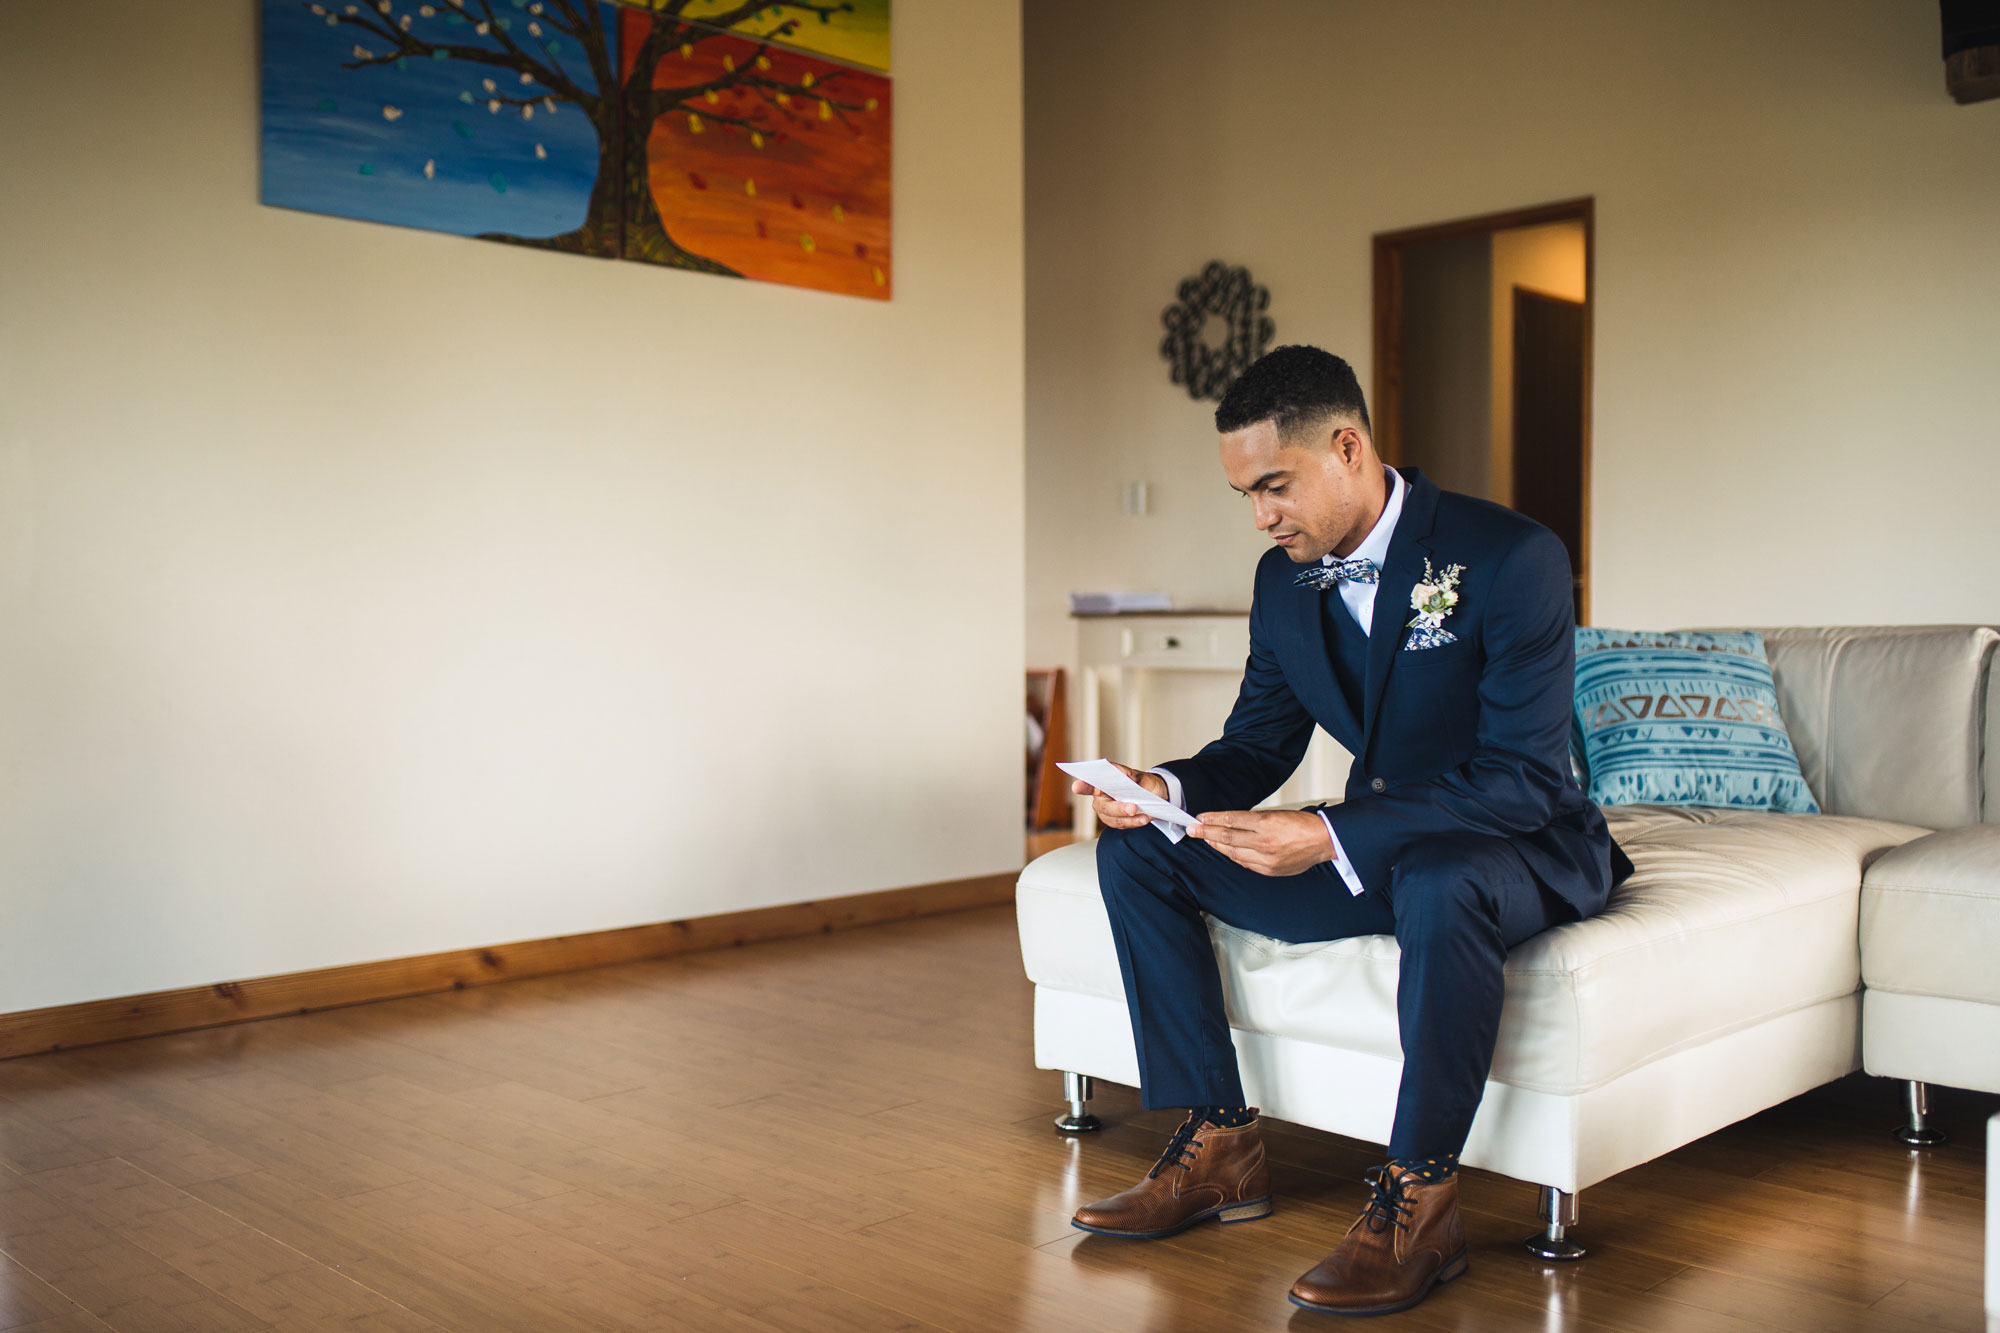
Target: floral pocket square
[(1424, 636)]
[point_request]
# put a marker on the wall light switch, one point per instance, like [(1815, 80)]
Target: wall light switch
[(1138, 498)]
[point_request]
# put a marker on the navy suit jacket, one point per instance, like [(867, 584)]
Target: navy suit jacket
[(1468, 737)]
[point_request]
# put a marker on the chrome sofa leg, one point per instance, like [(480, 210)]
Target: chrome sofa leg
[(1919, 1133), (1078, 1119), (1559, 1214)]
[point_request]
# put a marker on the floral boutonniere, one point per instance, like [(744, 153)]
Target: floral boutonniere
[(1433, 600)]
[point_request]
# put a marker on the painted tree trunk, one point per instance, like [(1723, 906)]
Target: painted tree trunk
[(646, 237), (622, 219)]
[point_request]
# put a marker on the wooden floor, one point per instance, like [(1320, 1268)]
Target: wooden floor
[(841, 1133)]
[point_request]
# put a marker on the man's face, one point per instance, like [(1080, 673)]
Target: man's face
[(1310, 495)]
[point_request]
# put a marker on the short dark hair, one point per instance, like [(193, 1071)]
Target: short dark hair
[(1292, 387)]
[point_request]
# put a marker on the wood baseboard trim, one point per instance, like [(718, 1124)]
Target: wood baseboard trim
[(92, 1022)]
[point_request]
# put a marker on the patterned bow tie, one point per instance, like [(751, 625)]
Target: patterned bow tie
[(1330, 576)]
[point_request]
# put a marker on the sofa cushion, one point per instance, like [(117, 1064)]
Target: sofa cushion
[(1930, 916), (1730, 917), (1683, 717)]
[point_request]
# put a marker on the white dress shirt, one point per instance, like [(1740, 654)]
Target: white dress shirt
[(1359, 599)]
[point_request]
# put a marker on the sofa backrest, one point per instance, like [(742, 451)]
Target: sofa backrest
[(1892, 721)]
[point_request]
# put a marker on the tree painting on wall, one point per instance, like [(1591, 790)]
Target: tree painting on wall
[(748, 139)]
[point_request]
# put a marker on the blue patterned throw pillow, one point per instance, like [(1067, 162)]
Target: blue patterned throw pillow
[(1684, 718)]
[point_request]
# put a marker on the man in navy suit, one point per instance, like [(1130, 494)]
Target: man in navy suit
[(1432, 635)]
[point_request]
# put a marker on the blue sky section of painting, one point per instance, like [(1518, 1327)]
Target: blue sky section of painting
[(313, 157)]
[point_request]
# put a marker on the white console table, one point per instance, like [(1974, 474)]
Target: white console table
[(1118, 654)]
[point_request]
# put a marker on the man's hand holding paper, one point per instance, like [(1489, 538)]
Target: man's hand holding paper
[(1124, 798)]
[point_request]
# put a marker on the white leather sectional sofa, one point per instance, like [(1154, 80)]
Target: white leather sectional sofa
[(1751, 956)]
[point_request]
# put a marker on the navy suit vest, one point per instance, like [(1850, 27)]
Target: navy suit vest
[(1346, 647)]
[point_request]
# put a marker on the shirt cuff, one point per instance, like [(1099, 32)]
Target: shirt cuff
[(1174, 832), (1340, 861)]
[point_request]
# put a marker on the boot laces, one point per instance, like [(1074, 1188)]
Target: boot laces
[(1180, 1148), (1387, 1203)]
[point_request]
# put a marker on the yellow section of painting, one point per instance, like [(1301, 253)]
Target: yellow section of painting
[(857, 33)]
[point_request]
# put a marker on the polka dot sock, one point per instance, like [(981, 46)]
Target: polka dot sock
[(1227, 1117), (1429, 1170)]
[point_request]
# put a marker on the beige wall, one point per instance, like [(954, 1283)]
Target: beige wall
[(1796, 395), (370, 592), (1547, 259)]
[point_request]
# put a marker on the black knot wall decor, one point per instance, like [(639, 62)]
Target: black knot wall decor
[(1208, 368)]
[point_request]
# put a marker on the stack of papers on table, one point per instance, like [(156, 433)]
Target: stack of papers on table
[(1111, 603)]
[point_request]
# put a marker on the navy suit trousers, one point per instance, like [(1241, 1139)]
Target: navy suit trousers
[(1456, 904)]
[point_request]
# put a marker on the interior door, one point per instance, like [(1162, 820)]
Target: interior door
[(1548, 420)]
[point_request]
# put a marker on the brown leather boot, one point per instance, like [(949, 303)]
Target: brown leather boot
[(1405, 1242), (1205, 1172)]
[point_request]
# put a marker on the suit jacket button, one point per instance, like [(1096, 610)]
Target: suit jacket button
[(1378, 785)]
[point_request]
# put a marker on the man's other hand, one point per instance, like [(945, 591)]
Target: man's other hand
[(1270, 842), (1120, 814)]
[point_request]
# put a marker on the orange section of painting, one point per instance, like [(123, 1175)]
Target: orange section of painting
[(783, 174)]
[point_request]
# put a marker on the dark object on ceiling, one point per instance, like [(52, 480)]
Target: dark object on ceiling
[(1206, 369), (1971, 49)]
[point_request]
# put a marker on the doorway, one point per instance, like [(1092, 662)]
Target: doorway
[(1482, 363)]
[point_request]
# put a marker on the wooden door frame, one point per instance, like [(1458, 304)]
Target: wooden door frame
[(1386, 401)]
